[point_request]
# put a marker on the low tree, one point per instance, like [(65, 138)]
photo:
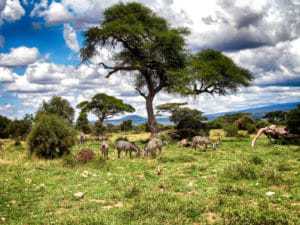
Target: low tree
[(188, 122), (58, 106), (104, 106), (19, 129), (293, 120), (126, 125), (51, 136), (276, 117), (82, 123), (4, 123)]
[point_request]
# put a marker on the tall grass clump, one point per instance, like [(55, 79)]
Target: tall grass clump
[(51, 137), (241, 170)]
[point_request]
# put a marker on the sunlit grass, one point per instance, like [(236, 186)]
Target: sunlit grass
[(182, 186)]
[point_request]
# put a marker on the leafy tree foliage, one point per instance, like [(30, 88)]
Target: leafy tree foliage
[(126, 125), (19, 128), (82, 123), (276, 117), (58, 106), (147, 47), (189, 122), (104, 106), (4, 123), (212, 72), (155, 54), (169, 107), (293, 120), (51, 136)]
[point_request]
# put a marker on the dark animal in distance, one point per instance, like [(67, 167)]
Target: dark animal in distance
[(126, 146)]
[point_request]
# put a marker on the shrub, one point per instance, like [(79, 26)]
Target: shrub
[(251, 128), (271, 176), (126, 125), (51, 137), (85, 155), (262, 124), (231, 130), (293, 120), (256, 160), (264, 215)]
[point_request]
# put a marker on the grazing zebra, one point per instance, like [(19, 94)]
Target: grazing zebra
[(152, 146), (104, 149), (126, 146)]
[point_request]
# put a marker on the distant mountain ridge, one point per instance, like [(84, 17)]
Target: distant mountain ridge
[(258, 112)]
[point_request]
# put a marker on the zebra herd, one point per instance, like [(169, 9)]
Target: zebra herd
[(152, 148)]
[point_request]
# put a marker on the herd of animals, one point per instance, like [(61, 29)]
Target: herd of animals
[(152, 148)]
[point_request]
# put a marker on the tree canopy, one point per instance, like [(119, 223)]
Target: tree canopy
[(155, 53), (58, 106), (104, 106), (210, 71), (147, 47)]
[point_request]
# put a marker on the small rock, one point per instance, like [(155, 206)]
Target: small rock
[(270, 193), (3, 219), (190, 184), (79, 195)]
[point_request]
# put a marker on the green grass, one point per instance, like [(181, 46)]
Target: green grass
[(182, 186)]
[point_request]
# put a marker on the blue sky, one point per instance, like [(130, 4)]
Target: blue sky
[(40, 42)]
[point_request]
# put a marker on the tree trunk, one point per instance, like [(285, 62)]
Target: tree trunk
[(151, 117)]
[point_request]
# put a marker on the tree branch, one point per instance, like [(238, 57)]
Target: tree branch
[(117, 68), (141, 93)]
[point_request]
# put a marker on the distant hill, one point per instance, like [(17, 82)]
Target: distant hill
[(258, 112)]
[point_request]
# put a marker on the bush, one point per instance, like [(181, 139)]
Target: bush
[(271, 176), (85, 155), (263, 215), (126, 125), (256, 160), (251, 128), (51, 137), (231, 130), (293, 120)]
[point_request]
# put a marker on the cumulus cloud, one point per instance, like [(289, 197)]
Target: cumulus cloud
[(260, 35), (6, 75), (237, 25), (20, 56), (11, 10), (71, 38)]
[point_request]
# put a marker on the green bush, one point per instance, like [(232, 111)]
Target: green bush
[(293, 120), (251, 128), (51, 137), (256, 160), (264, 215), (231, 130)]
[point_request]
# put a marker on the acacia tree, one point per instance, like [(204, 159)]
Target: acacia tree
[(155, 54), (146, 46), (104, 106)]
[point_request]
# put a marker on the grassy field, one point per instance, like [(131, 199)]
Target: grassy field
[(233, 185)]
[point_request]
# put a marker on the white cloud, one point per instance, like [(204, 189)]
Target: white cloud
[(20, 56), (12, 10), (71, 38), (6, 75)]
